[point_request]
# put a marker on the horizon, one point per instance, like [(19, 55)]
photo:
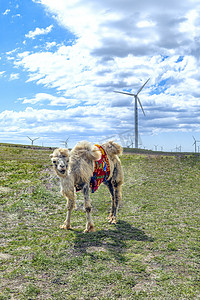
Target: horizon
[(155, 149)]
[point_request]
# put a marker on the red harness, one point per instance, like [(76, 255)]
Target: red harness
[(101, 170)]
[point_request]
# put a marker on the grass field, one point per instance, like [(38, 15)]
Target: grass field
[(152, 253)]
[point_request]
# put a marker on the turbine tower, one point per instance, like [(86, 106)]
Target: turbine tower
[(136, 109)]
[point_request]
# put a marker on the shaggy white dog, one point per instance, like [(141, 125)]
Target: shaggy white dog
[(88, 166)]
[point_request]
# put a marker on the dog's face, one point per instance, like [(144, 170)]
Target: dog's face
[(60, 160)]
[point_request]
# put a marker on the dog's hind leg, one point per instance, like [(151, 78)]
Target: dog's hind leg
[(88, 208)]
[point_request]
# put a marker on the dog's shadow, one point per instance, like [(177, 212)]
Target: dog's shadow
[(113, 240)]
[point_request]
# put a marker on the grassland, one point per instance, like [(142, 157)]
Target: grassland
[(152, 253)]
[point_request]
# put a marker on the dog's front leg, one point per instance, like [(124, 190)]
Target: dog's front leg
[(88, 208), (70, 206)]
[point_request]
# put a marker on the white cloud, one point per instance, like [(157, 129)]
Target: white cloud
[(41, 98), (69, 69), (93, 123), (145, 23), (110, 43), (190, 24), (50, 45), (102, 22), (14, 76), (6, 12), (76, 119), (38, 31), (2, 73)]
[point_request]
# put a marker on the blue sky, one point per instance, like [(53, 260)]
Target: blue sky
[(60, 62)]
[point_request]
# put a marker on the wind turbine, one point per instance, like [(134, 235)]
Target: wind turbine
[(65, 142), (195, 144), (136, 109), (32, 140), (114, 136), (156, 147)]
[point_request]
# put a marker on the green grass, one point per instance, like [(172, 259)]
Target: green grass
[(152, 253)]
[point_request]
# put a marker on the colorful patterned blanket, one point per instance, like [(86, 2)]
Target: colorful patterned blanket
[(101, 170)]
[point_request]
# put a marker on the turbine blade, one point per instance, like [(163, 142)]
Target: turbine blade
[(141, 105), (124, 132), (142, 87), (124, 93)]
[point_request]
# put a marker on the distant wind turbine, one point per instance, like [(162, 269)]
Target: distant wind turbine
[(156, 147), (32, 140), (195, 144), (65, 143), (120, 136), (136, 109)]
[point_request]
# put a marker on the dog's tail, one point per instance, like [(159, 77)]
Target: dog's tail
[(86, 150), (112, 148)]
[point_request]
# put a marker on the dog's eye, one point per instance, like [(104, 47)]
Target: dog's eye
[(54, 161)]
